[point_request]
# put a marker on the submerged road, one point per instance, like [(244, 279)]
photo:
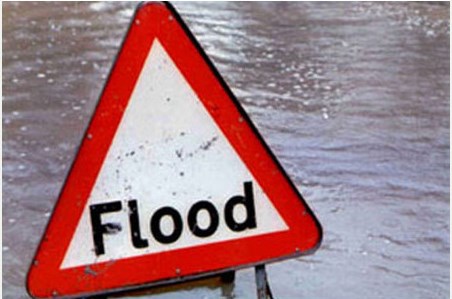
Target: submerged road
[(353, 98)]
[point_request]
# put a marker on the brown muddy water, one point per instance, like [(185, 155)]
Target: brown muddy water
[(353, 98)]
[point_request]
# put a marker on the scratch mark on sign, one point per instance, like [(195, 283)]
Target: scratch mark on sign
[(208, 144), (90, 271), (112, 228)]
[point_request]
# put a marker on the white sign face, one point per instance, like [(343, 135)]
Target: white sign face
[(170, 180)]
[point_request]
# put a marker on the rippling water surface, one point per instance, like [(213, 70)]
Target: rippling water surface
[(352, 97)]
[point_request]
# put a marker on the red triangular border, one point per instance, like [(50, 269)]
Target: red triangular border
[(152, 20)]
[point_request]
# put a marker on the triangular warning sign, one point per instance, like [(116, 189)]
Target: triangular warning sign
[(171, 182)]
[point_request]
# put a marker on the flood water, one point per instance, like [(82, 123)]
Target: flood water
[(353, 98)]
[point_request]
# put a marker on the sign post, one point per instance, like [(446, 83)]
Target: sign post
[(171, 182), (262, 285)]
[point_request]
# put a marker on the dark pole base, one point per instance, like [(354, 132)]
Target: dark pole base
[(228, 277)]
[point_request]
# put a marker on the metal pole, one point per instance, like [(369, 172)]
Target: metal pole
[(263, 288), (227, 277)]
